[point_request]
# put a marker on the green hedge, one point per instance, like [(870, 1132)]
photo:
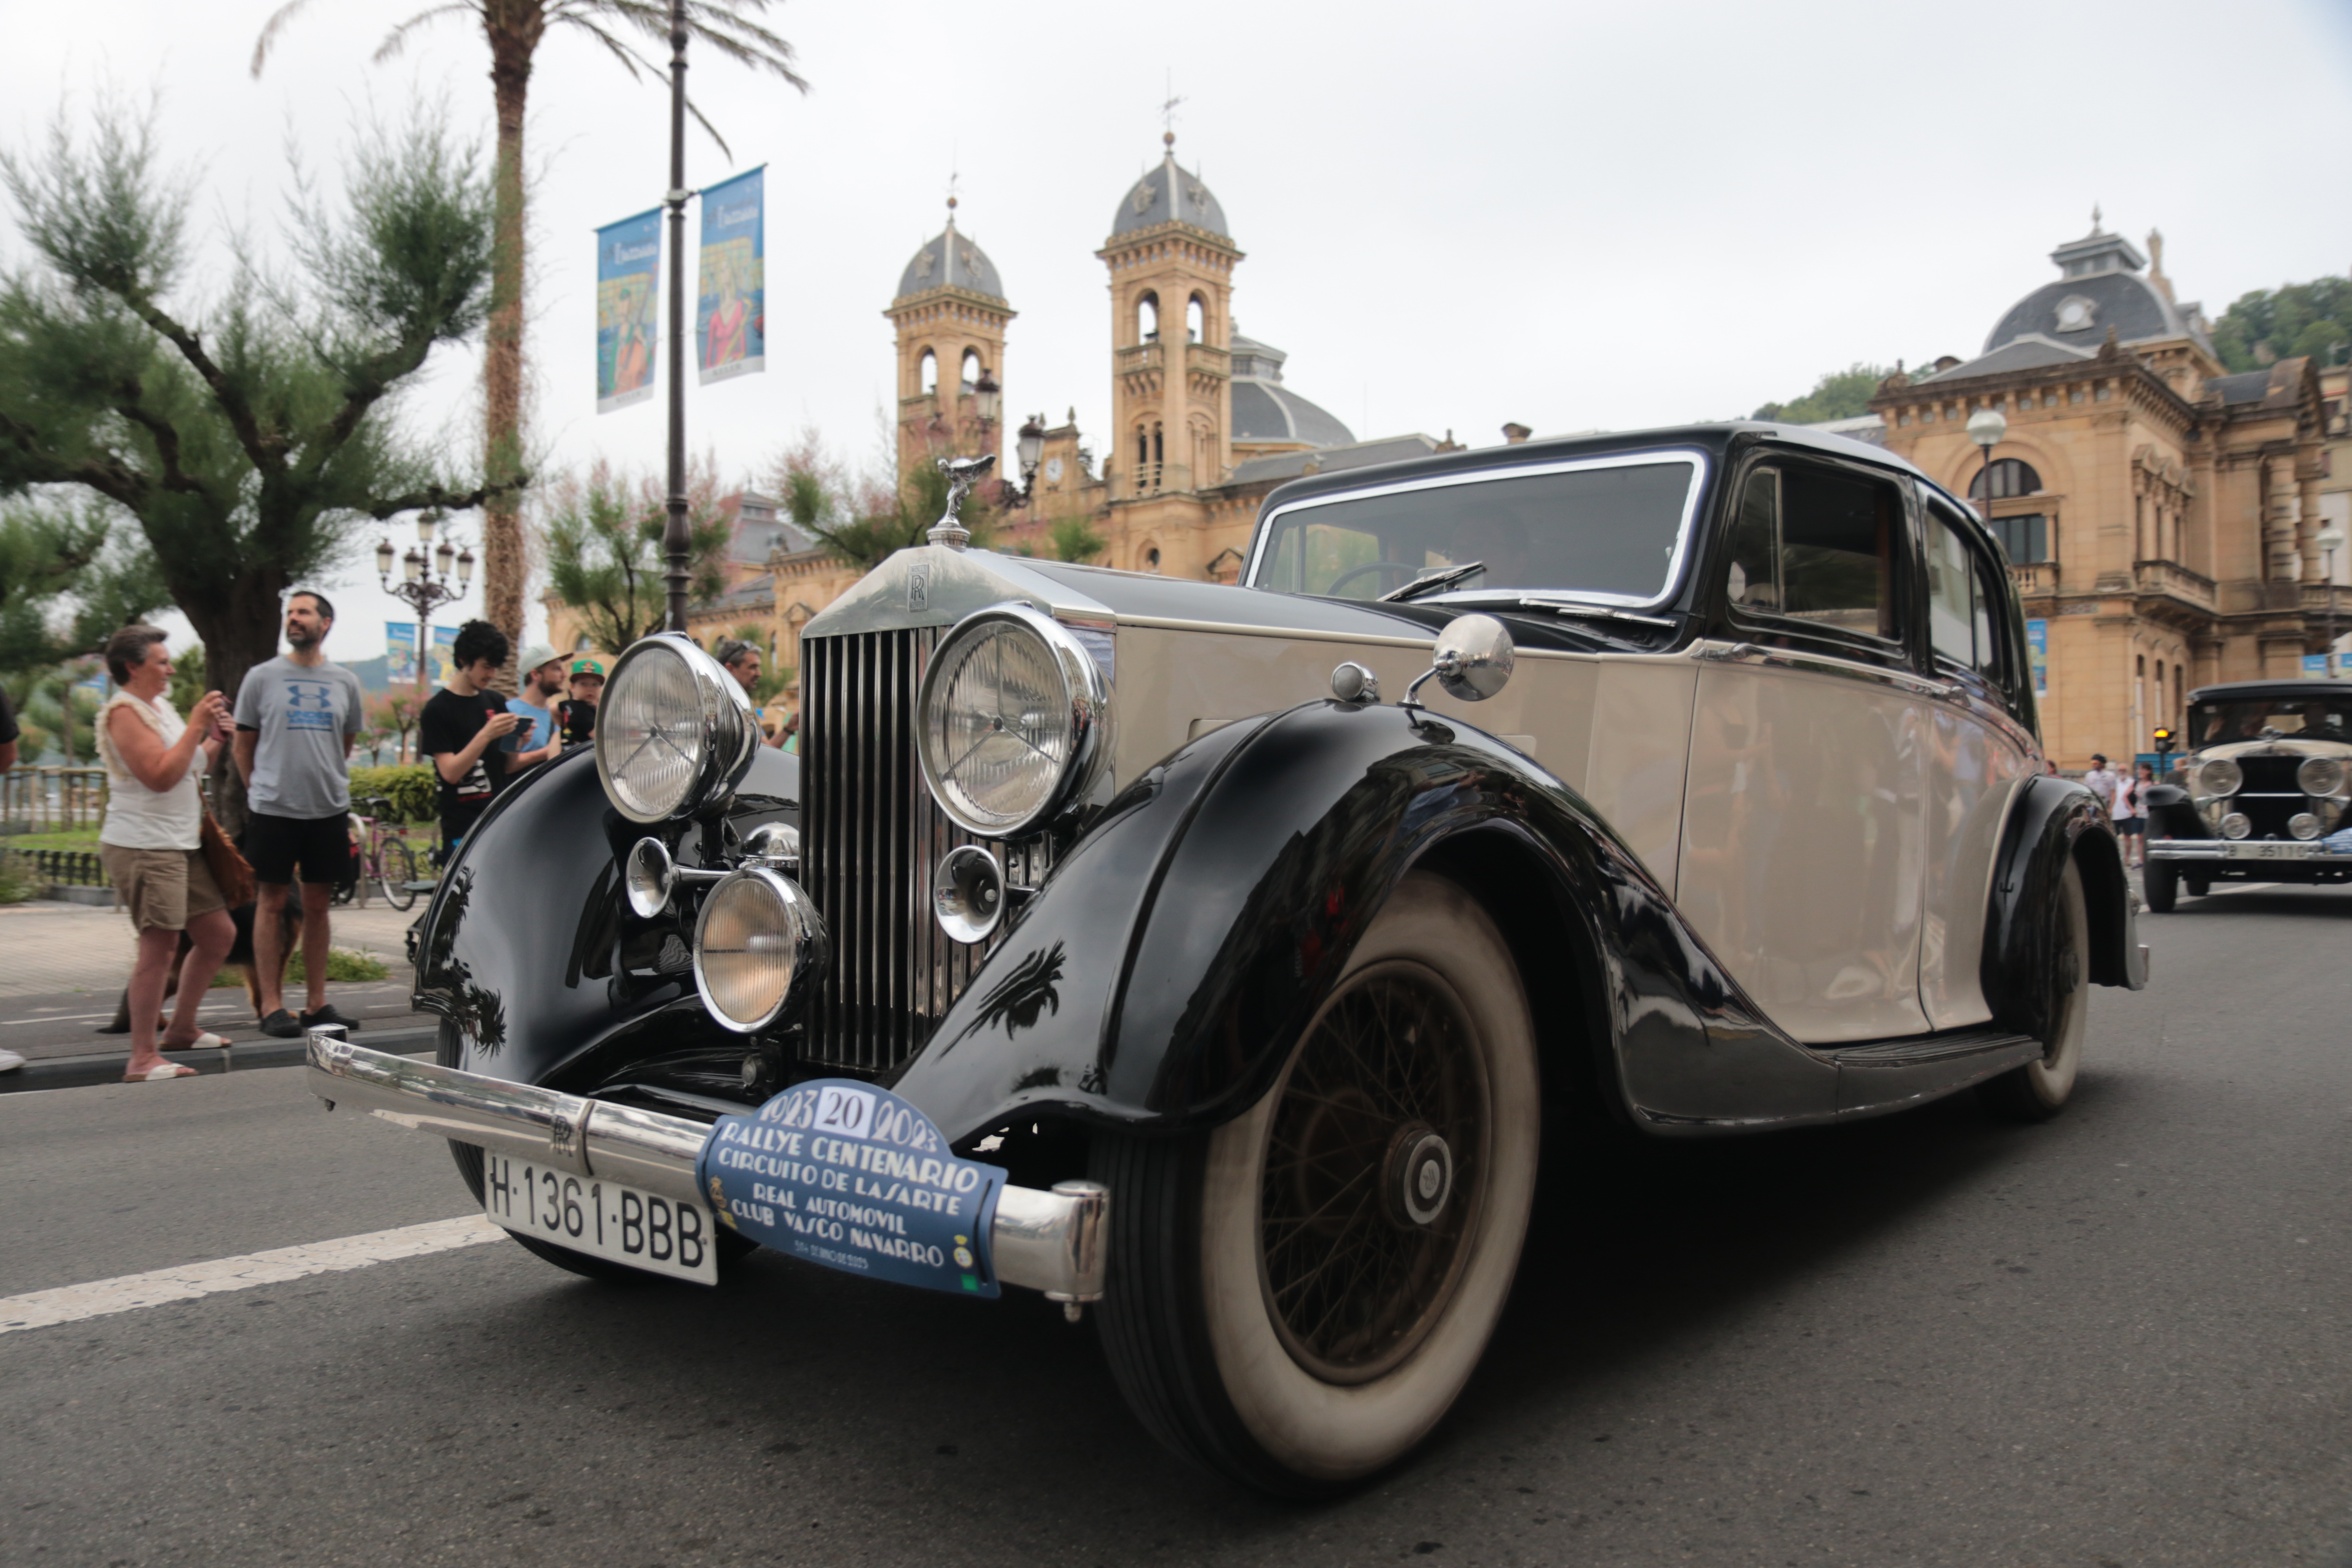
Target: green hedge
[(410, 789)]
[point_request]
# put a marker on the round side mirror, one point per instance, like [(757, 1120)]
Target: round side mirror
[(1473, 657)]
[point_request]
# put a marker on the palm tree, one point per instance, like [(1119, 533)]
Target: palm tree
[(514, 29)]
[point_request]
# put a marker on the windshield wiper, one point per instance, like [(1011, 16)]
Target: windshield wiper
[(1595, 612), (1432, 584)]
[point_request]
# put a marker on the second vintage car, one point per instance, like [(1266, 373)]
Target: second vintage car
[(1227, 958), (2258, 795)]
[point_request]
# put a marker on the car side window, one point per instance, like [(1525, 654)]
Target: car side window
[(1818, 545), (1966, 592)]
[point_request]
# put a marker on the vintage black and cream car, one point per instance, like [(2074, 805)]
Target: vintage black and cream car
[(2258, 795), (1229, 957)]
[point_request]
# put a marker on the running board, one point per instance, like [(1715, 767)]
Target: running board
[(1921, 1050)]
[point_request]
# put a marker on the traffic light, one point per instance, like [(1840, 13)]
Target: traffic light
[(2164, 743)]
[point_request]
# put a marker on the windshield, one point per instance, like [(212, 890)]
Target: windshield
[(2323, 718), (1606, 530)]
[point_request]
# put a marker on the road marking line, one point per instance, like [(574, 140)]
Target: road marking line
[(72, 1303)]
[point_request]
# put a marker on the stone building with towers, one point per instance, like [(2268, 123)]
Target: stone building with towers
[(1202, 422), (2162, 518)]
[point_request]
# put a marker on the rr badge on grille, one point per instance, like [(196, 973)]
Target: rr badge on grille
[(918, 588)]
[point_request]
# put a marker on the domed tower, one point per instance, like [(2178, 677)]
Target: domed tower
[(1171, 282), (951, 315)]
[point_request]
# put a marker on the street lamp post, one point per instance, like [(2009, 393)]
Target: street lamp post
[(676, 540), (2331, 540), (1986, 427), (422, 587)]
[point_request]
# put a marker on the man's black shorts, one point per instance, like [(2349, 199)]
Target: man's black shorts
[(321, 846)]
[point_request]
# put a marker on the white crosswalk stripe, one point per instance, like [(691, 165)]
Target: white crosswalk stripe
[(72, 1303)]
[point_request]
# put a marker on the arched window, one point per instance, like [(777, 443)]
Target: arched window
[(2010, 477), (1196, 320), (1151, 559), (971, 370), (1146, 319), (929, 377)]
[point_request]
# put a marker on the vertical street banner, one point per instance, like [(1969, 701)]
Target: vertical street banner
[(399, 652), (731, 310), (445, 653), (628, 255), (2037, 655)]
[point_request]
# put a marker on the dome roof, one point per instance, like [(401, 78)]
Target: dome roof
[(950, 260), (1265, 410), (2100, 288), (1169, 194)]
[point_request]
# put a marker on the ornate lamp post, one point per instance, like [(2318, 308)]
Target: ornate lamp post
[(2330, 540), (1029, 445), (422, 587), (1986, 427)]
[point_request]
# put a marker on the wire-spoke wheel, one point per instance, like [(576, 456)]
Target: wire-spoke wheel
[(1299, 1296), (397, 870), (2040, 1090)]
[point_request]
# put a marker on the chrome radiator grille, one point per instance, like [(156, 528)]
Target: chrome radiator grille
[(870, 836)]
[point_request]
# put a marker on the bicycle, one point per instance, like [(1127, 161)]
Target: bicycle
[(380, 854)]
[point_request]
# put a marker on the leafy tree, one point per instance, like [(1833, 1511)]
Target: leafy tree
[(896, 518), (1838, 394), (249, 436), (391, 715), (605, 557), (514, 29), (1076, 539), (53, 552), (2298, 320), (59, 715)]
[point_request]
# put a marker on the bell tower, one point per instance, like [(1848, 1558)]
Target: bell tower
[(1171, 281), (949, 314)]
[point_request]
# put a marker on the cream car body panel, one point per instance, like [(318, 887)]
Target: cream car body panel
[(1804, 863), (1978, 761)]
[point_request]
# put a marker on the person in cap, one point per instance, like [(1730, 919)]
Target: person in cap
[(576, 714), (741, 660), (534, 740)]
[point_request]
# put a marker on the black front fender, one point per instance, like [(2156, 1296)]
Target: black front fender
[(2055, 821), (1159, 978), (529, 951)]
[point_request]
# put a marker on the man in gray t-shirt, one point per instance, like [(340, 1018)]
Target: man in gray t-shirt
[(296, 719)]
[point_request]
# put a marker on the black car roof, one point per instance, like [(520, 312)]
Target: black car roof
[(1715, 439), (2288, 689)]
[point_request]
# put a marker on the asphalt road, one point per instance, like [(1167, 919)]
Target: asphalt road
[(2121, 1340)]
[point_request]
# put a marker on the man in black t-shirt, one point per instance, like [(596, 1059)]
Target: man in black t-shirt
[(9, 733), (460, 729)]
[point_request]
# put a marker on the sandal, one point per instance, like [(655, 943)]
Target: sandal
[(159, 1072), (208, 1041)]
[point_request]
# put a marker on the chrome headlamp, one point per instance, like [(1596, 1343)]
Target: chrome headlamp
[(1009, 721), (2217, 778), (756, 940), (2321, 776), (674, 731)]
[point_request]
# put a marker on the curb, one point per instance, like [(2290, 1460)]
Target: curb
[(106, 1066)]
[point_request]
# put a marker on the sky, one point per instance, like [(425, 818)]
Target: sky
[(1570, 216)]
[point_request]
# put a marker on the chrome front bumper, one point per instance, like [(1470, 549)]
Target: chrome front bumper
[(1048, 1241), (2305, 851)]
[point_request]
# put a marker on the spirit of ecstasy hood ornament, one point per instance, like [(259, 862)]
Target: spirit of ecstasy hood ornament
[(962, 474)]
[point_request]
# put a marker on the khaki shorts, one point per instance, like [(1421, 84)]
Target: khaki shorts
[(163, 889)]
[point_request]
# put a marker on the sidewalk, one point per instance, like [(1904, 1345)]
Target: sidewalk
[(47, 947)]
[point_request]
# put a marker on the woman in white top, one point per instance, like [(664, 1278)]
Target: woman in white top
[(2127, 811), (151, 843)]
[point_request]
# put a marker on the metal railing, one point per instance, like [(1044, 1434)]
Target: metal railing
[(53, 799)]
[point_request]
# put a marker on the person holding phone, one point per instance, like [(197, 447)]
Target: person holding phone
[(462, 728), (535, 741)]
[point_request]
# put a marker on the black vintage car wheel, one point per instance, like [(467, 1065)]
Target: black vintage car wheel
[(2039, 1091), (1296, 1297), (2162, 884)]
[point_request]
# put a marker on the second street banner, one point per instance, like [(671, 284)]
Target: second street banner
[(628, 257), (731, 312)]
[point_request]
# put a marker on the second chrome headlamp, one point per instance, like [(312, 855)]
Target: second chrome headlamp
[(1009, 721)]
